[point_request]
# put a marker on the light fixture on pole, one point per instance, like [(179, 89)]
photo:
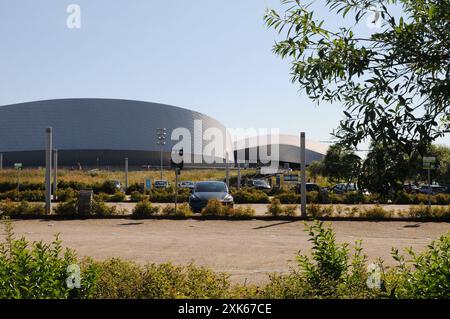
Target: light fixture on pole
[(161, 134)]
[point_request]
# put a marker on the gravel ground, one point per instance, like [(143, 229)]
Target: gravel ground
[(247, 250)]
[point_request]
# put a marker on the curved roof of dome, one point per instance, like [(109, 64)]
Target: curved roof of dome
[(109, 124), (282, 139)]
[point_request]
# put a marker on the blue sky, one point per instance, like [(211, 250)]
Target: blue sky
[(211, 56)]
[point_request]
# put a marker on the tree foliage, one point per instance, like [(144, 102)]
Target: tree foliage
[(394, 84), (341, 163)]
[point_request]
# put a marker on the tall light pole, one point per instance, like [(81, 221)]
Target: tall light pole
[(161, 134), (303, 173), (55, 174), (48, 170)]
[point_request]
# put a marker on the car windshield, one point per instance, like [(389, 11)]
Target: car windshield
[(259, 183), (207, 187), (160, 182)]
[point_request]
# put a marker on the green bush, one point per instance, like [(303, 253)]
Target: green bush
[(330, 272), (425, 275), (240, 212), (403, 198), (137, 197), (67, 194), (423, 211), (318, 210), (67, 208), (354, 198), (213, 208), (144, 209), (118, 197), (39, 270), (376, 212), (250, 196), (119, 279), (168, 195), (9, 208), (289, 198), (276, 209), (99, 208), (183, 210)]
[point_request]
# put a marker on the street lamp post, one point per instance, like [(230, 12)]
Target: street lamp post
[(161, 134)]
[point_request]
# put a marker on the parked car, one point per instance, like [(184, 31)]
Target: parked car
[(310, 187), (260, 184), (435, 189), (342, 188), (411, 188), (187, 184), (161, 184), (118, 185), (207, 190)]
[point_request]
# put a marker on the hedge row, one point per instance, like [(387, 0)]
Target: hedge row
[(360, 198)]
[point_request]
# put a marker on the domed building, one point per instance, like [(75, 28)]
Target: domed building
[(93, 132)]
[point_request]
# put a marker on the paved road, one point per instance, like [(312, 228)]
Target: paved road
[(247, 250)]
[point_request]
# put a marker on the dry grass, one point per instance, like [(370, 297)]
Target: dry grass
[(90, 177)]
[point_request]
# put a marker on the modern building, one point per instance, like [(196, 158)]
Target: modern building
[(248, 150), (93, 132)]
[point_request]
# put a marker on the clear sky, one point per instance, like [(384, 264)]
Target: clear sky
[(212, 56)]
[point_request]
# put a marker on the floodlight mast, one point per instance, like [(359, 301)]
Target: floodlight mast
[(161, 134)]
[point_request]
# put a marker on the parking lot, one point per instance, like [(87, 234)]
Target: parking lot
[(247, 250)]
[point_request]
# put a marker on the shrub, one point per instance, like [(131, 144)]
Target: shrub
[(69, 207), (312, 197), (38, 270), (290, 210), (183, 210), (168, 195), (317, 210), (137, 196), (276, 209), (169, 281), (424, 275), (67, 194), (289, 198), (249, 196), (119, 279), (214, 208), (403, 198), (8, 208), (108, 187), (336, 198), (376, 212), (423, 211), (240, 212), (99, 208), (144, 209), (330, 272), (442, 199), (354, 198), (117, 197)]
